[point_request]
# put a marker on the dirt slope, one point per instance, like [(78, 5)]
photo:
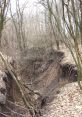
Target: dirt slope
[(43, 71)]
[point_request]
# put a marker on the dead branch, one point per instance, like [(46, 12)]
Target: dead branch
[(27, 104)]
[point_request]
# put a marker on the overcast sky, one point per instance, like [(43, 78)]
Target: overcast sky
[(31, 5)]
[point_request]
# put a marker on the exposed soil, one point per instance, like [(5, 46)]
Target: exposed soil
[(45, 72)]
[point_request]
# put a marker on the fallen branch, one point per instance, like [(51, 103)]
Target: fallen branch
[(27, 104)]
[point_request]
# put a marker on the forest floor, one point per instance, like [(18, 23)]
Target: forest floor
[(61, 97), (67, 101)]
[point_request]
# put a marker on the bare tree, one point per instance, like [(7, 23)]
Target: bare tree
[(67, 17), (3, 13), (18, 22)]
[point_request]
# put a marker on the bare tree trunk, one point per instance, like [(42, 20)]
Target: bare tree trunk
[(81, 20)]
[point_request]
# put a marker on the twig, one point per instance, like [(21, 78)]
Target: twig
[(31, 109)]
